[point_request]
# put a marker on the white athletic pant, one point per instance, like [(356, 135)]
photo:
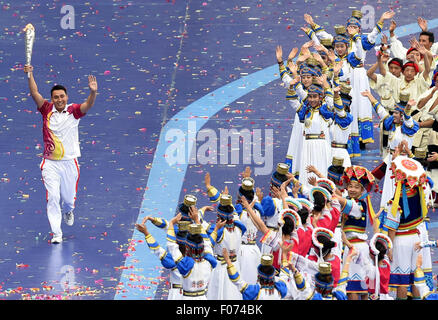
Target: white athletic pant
[(60, 177)]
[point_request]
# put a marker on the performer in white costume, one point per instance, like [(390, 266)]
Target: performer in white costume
[(228, 236), (197, 262)]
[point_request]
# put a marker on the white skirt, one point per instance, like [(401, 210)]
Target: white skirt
[(249, 257), (296, 144), (316, 152), (404, 259), (220, 286), (356, 272)]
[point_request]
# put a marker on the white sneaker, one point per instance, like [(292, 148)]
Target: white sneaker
[(69, 218), (56, 239)]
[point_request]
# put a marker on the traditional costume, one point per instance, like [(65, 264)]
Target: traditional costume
[(175, 279), (268, 287), (196, 265), (404, 212), (355, 73), (316, 149), (378, 272), (249, 252), (341, 127), (397, 133), (229, 237)]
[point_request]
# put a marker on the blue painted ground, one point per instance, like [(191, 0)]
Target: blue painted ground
[(161, 66)]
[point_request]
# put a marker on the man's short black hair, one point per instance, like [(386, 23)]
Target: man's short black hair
[(58, 87), (429, 34)]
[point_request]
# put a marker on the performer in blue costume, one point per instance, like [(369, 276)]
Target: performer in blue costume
[(350, 40), (268, 287)]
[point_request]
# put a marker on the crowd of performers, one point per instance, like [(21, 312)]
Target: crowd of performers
[(316, 235)]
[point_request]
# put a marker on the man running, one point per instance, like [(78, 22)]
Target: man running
[(59, 167)]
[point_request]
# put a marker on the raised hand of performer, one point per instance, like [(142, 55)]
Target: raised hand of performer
[(303, 57), (296, 188), (422, 23), (275, 192), (292, 54), (312, 181), (318, 58), (174, 220), (247, 172), (387, 15), (207, 208), (308, 44), (219, 224), (194, 214), (142, 227), (207, 180), (305, 29), (279, 54), (320, 47), (293, 69), (258, 222), (33, 88), (259, 194), (309, 19), (322, 80), (92, 84), (392, 27), (312, 169), (331, 55), (286, 247), (284, 186), (28, 68)]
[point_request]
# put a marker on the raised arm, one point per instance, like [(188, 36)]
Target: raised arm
[(92, 84), (153, 245), (371, 72), (380, 110), (379, 25), (258, 222), (318, 30), (423, 101), (382, 68), (397, 48), (33, 88)]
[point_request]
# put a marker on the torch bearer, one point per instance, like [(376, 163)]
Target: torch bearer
[(30, 38)]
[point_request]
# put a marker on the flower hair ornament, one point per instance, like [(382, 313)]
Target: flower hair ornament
[(317, 232), (290, 214)]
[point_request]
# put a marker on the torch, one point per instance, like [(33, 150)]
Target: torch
[(30, 38)]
